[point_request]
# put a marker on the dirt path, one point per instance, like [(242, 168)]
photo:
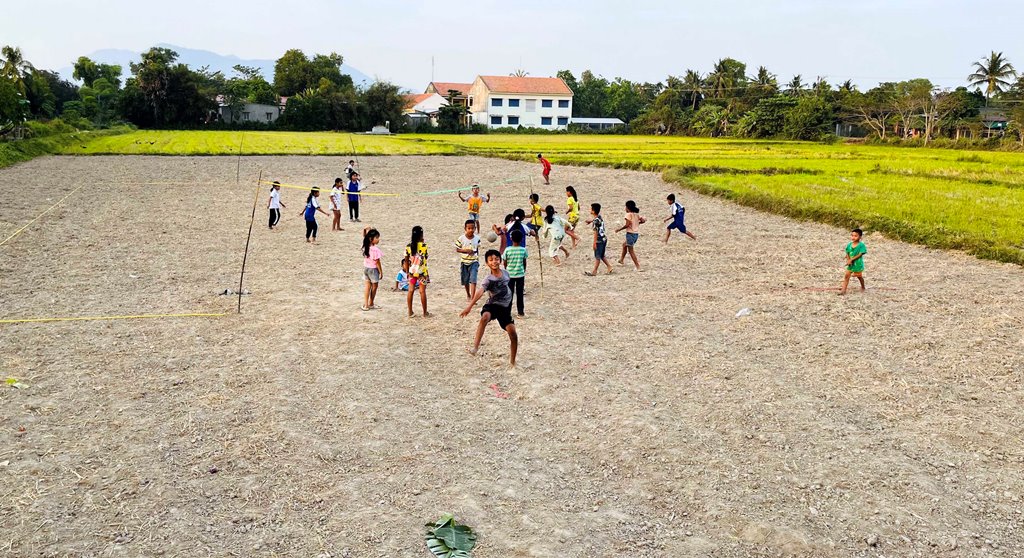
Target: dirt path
[(645, 419)]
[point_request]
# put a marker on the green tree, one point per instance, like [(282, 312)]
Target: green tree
[(767, 119), (10, 103), (811, 119), (384, 104), (591, 98), (162, 93), (295, 72), (994, 73), (15, 67), (89, 71), (727, 78), (63, 90), (625, 99), (692, 86), (795, 87)]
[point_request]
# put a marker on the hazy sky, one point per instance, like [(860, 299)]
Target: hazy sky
[(642, 40)]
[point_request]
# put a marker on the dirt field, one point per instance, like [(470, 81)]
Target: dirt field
[(644, 419)]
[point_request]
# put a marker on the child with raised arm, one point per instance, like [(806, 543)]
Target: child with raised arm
[(515, 264), (336, 194), (468, 247), (473, 205), (677, 215), (855, 251), (274, 204), (545, 166), (498, 306), (596, 222), (416, 251), (632, 228), (536, 214), (309, 213), (372, 269)]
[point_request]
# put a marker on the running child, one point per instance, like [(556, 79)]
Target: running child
[(336, 193), (572, 214), (632, 228), (546, 168), (474, 203), (498, 306), (515, 264), (513, 221), (312, 206), (274, 204), (416, 251), (372, 269), (678, 218), (554, 228), (596, 222), (402, 279), (468, 246), (536, 214), (855, 251), (354, 187)]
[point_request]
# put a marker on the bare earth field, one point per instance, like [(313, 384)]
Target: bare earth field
[(645, 419)]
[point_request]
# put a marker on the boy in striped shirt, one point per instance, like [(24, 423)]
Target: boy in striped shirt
[(468, 246)]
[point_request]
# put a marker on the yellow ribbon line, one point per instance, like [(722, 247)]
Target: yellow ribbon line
[(88, 318), (17, 232), (328, 190)]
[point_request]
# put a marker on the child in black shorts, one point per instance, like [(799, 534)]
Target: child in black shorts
[(498, 306)]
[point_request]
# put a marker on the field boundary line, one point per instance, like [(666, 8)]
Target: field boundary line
[(111, 318), (47, 210)]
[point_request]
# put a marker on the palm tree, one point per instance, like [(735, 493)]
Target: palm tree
[(720, 80), (693, 83), (992, 73), (520, 73), (847, 87), (15, 67), (795, 87), (765, 81), (821, 86)]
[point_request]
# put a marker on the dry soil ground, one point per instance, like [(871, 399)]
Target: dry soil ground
[(645, 418)]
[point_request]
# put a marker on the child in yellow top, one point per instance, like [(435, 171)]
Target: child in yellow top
[(473, 205), (416, 251), (536, 214), (572, 214)]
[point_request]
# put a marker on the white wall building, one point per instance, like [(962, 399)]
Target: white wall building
[(248, 112), (506, 101), (423, 107)]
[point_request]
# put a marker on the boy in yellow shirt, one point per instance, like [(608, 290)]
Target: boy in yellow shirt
[(536, 215)]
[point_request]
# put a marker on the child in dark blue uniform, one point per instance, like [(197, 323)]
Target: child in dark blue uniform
[(678, 218)]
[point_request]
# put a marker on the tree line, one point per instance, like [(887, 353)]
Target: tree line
[(729, 101), (162, 92)]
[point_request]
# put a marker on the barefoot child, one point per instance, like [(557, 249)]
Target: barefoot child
[(312, 206), (855, 251), (536, 214), (600, 239), (632, 228), (402, 279), (468, 246), (678, 218), (572, 214), (372, 269), (274, 204), (498, 306), (545, 168), (416, 251), (515, 264), (354, 187), (554, 228), (473, 205), (336, 192)]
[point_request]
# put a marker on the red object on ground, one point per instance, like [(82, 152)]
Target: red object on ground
[(497, 392)]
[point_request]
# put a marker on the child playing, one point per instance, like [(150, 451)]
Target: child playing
[(350, 169), (498, 306), (312, 206), (632, 228), (274, 204), (515, 264), (600, 239), (536, 218), (468, 246), (402, 279), (678, 218), (416, 251), (354, 187), (513, 221), (855, 251), (554, 228), (473, 205), (572, 214), (336, 192), (546, 168), (372, 268)]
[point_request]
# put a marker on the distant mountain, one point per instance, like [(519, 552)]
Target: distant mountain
[(198, 58)]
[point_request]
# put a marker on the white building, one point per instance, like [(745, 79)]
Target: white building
[(423, 107), (532, 102), (248, 112), (598, 123)]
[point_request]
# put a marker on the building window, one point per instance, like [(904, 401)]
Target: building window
[(270, 117), (545, 103), (495, 121), (471, 100), (563, 104), (513, 102), (513, 120), (545, 120), (245, 116), (531, 105), (563, 120), (496, 102)]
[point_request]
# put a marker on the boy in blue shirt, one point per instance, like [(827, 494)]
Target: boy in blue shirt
[(678, 218)]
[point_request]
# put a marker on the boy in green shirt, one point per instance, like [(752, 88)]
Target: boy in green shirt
[(855, 251)]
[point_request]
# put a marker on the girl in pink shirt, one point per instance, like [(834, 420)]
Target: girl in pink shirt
[(372, 269)]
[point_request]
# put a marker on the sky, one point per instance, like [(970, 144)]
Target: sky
[(867, 41)]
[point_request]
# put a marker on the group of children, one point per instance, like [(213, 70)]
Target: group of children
[(504, 268)]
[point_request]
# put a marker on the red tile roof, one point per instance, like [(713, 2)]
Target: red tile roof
[(442, 87), (415, 99), (537, 85)]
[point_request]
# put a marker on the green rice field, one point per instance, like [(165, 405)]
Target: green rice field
[(966, 200)]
